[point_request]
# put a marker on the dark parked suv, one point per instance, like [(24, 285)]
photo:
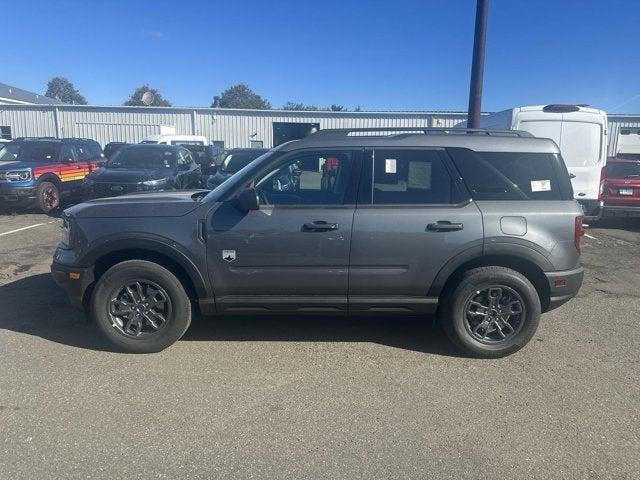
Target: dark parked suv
[(478, 227)]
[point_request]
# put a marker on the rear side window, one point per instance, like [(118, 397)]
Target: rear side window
[(511, 175), (410, 177)]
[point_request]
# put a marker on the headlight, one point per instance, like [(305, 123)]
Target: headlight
[(161, 182), (16, 175)]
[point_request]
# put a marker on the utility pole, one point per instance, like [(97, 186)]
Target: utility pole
[(477, 66)]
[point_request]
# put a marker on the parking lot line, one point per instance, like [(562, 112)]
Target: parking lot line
[(589, 236), (25, 228)]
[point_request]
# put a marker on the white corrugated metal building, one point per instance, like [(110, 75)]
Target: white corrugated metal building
[(229, 127), (236, 128)]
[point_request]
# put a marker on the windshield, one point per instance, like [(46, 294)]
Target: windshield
[(235, 161), (29, 152), (623, 170), (143, 158)]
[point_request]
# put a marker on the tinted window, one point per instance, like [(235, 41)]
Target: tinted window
[(510, 175), (5, 132), (144, 157), (68, 154), (82, 152), (623, 170), (184, 157), (30, 152), (235, 161), (410, 177), (307, 179)]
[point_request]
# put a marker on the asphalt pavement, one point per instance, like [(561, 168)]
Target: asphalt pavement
[(318, 397)]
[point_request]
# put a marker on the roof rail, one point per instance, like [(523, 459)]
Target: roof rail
[(347, 132)]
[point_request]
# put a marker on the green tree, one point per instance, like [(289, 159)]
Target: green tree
[(135, 100), (337, 108), (63, 90), (299, 106), (241, 96)]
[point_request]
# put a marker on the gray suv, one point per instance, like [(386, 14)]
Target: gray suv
[(477, 227)]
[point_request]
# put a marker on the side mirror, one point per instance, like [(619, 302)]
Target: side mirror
[(247, 200)]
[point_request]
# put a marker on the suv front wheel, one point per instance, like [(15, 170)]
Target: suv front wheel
[(140, 307), (492, 312)]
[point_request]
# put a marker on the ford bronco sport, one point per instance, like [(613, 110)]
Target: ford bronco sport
[(478, 227)]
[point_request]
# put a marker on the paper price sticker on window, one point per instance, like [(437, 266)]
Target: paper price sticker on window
[(540, 185), (390, 165)]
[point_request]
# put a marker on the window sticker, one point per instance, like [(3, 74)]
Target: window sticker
[(390, 165), (540, 185), (420, 175)]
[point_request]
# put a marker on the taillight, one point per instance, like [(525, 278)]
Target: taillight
[(578, 232)]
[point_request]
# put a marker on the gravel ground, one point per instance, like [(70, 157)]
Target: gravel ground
[(319, 397)]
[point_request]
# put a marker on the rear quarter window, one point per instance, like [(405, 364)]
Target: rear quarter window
[(512, 175)]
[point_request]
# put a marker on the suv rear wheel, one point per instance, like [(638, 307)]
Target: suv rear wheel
[(140, 307), (492, 312)]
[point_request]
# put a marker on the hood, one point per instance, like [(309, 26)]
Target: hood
[(148, 204), (126, 175)]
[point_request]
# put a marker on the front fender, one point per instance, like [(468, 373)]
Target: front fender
[(149, 243)]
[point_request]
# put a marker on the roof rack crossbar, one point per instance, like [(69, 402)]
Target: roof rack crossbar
[(345, 132)]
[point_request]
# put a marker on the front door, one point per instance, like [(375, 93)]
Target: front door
[(292, 254), (412, 217)]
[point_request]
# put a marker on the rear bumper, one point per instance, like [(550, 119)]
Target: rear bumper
[(73, 280), (563, 286), (592, 208), (621, 211)]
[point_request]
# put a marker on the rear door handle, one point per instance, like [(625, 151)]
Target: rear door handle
[(319, 226), (444, 226)]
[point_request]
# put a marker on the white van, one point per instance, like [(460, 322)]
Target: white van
[(176, 139), (581, 134)]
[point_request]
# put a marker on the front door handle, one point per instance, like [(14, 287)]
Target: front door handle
[(444, 226), (319, 226)]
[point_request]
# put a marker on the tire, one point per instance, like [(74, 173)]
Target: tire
[(48, 197), (164, 294), (465, 311)]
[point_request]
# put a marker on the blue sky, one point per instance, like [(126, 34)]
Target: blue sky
[(382, 55)]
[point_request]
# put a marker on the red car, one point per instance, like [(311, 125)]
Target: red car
[(621, 187)]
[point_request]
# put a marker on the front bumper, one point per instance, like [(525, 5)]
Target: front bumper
[(621, 211), (563, 286), (74, 280), (17, 195)]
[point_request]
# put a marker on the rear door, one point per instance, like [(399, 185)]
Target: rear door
[(292, 254), (412, 218)]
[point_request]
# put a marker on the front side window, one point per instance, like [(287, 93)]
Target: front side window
[(410, 177), (310, 178)]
